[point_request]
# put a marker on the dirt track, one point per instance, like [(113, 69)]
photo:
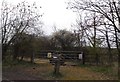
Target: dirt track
[(42, 72), (18, 74)]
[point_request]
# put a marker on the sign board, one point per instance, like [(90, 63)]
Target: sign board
[(49, 55), (80, 56)]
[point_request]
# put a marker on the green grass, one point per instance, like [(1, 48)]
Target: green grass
[(83, 66), (106, 70), (101, 69), (10, 63)]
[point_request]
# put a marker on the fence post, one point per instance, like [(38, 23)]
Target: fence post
[(57, 67), (83, 59)]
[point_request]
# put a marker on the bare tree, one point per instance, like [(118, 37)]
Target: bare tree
[(96, 31), (17, 19), (102, 7), (108, 43), (79, 31), (108, 9)]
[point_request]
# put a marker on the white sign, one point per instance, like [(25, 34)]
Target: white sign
[(80, 56), (49, 55)]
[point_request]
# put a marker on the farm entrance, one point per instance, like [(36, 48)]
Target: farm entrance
[(65, 56)]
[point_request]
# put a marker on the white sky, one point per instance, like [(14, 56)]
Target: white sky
[(55, 13)]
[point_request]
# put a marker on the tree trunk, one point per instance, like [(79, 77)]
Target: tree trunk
[(32, 57), (21, 58), (16, 51), (97, 59), (109, 48), (94, 44), (117, 42), (83, 62), (4, 51)]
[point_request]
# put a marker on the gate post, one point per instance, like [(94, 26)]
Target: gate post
[(57, 67)]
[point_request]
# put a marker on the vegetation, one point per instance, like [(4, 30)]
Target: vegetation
[(95, 34), (45, 71)]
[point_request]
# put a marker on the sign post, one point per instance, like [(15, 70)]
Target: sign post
[(57, 66), (82, 57)]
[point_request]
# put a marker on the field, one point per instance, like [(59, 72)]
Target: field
[(43, 70)]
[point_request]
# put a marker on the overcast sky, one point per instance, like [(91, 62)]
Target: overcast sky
[(55, 13)]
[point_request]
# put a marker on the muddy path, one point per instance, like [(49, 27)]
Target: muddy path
[(18, 73), (43, 70)]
